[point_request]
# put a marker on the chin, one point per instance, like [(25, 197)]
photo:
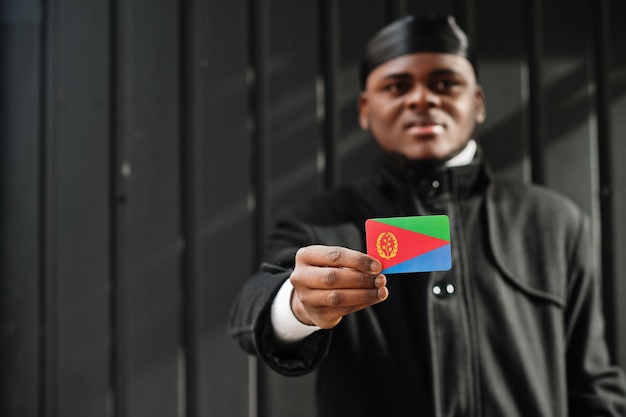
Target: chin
[(435, 149), (428, 154)]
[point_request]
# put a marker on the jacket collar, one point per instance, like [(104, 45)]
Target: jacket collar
[(433, 179)]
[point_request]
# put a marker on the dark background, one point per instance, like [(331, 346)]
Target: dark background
[(146, 145)]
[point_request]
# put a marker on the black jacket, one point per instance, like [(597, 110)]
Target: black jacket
[(513, 329)]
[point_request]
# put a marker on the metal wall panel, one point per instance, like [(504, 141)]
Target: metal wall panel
[(20, 200), (358, 21), (76, 210), (502, 67), (570, 141), (146, 147), (218, 196), (150, 128), (291, 62)]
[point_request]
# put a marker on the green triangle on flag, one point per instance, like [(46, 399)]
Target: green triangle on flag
[(410, 244), (436, 226)]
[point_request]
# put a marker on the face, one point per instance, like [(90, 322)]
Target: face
[(424, 106)]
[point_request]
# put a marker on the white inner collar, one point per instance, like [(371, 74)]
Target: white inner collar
[(465, 156)]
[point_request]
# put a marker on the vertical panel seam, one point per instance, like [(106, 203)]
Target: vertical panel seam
[(45, 180), (188, 207), (329, 121), (600, 35), (259, 160), (113, 207), (532, 37), (118, 221)]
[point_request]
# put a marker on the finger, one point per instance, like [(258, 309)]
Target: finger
[(329, 316), (383, 294), (347, 300), (336, 278), (338, 256)]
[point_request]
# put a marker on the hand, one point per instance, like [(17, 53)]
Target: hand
[(330, 282)]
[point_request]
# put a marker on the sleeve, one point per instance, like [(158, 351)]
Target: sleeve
[(287, 327), (596, 387), (250, 317)]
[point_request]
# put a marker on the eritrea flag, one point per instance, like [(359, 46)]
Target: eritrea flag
[(410, 244)]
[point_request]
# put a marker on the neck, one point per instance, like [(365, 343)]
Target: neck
[(419, 167)]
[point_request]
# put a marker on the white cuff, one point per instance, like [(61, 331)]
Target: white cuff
[(287, 328)]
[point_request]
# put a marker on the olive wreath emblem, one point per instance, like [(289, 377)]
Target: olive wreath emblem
[(387, 245)]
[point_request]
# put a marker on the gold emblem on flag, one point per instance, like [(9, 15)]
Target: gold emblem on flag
[(387, 245)]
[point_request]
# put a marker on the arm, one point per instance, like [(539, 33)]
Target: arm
[(287, 327), (329, 282), (250, 324), (595, 386)]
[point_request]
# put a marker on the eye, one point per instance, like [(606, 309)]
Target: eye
[(445, 85), (398, 88)]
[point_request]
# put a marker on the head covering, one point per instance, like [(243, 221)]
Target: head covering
[(413, 34)]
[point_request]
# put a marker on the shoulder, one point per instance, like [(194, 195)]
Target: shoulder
[(515, 197), (339, 203), (334, 217)]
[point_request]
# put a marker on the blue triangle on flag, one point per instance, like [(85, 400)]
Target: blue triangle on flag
[(439, 259)]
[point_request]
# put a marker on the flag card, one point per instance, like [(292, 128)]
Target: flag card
[(410, 244)]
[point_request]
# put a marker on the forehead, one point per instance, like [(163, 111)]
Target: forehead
[(423, 64)]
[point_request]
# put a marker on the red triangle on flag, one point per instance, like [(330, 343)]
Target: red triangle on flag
[(393, 245)]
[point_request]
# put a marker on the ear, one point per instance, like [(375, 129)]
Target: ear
[(481, 105), (363, 108)]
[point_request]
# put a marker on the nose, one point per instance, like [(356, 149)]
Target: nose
[(422, 98)]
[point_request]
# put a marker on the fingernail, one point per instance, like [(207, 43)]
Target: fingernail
[(380, 281), (376, 267), (383, 293)]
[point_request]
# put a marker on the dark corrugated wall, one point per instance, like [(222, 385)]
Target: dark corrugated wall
[(146, 145)]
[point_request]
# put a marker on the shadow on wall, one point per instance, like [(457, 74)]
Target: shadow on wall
[(573, 101)]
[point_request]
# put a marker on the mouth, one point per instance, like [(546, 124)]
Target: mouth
[(424, 127)]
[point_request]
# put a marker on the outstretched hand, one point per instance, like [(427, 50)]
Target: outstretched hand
[(331, 281)]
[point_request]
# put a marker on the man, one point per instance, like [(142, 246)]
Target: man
[(514, 328)]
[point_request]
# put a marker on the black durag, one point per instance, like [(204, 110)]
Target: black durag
[(413, 34)]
